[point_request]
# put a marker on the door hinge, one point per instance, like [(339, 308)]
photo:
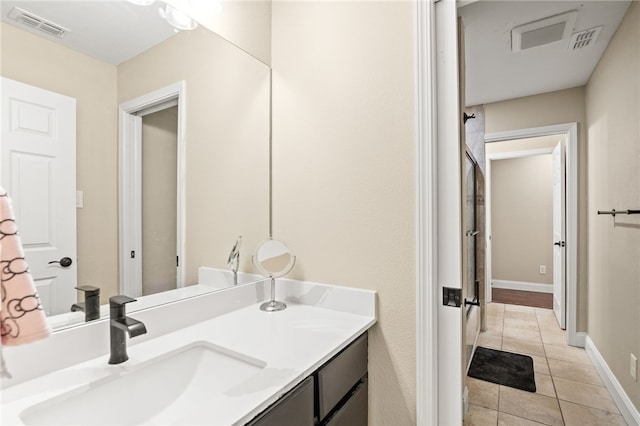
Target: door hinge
[(177, 261)]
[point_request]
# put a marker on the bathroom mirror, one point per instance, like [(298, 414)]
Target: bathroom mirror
[(273, 259), (226, 134)]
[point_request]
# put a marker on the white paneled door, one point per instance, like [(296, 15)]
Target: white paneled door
[(38, 169), (559, 252)]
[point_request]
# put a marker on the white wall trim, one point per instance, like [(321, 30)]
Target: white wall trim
[(507, 135), (571, 132), (426, 218), (622, 400), (519, 154), (522, 286), (130, 184), (581, 339)]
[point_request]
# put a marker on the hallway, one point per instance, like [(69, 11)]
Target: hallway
[(569, 389)]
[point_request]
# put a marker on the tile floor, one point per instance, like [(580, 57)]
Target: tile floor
[(569, 389)]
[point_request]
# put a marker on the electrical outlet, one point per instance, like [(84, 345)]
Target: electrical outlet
[(543, 269), (633, 367)]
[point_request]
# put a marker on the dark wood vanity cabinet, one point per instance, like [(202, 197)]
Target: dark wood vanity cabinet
[(294, 408), (334, 395)]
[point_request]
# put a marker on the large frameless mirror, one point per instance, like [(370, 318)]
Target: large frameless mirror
[(113, 52)]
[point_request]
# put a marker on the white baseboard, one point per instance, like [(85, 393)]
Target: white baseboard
[(620, 397), (523, 286)]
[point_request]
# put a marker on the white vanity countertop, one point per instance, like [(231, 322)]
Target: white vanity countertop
[(293, 343)]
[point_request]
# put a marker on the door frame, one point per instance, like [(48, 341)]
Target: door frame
[(438, 214), (570, 130), (427, 361), (130, 184)]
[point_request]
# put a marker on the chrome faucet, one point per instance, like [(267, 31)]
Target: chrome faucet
[(234, 259), (119, 326)]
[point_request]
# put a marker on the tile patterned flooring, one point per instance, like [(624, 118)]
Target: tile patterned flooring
[(569, 389)]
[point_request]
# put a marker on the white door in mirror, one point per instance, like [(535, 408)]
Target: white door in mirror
[(38, 169)]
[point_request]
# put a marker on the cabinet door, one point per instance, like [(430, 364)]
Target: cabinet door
[(293, 409)]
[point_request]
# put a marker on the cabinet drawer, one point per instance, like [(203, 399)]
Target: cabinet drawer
[(294, 409), (355, 411), (341, 374)]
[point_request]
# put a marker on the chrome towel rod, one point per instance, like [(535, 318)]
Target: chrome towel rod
[(614, 212)]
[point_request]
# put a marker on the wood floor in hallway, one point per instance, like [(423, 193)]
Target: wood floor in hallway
[(569, 389), (524, 298)]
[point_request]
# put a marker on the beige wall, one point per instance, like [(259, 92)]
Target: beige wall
[(41, 63), (522, 220), (613, 116), (245, 23), (226, 137), (343, 147), (563, 106), (159, 201)]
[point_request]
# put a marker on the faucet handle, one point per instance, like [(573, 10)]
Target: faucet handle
[(120, 300), (89, 290)]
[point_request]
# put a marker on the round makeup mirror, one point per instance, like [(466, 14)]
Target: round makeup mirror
[(273, 259)]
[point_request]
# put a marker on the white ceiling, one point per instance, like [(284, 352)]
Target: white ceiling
[(111, 31), (495, 73), (116, 30)]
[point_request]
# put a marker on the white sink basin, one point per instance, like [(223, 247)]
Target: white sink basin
[(175, 388)]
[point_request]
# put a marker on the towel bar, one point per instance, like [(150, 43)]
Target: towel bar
[(614, 212)]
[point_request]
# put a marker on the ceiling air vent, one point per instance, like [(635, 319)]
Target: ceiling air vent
[(542, 32), (35, 22), (585, 38)]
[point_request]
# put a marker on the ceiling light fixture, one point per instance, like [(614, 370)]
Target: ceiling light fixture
[(178, 19)]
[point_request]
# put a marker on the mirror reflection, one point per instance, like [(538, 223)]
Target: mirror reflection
[(220, 172)]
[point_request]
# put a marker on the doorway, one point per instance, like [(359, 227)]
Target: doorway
[(521, 204), (159, 201), (152, 192), (570, 133)]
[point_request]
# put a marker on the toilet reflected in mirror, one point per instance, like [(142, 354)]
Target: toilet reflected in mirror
[(273, 259)]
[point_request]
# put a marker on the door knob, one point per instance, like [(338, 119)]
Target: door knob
[(64, 262), (559, 243)]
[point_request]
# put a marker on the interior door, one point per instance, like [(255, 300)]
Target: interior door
[(37, 168), (559, 252)]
